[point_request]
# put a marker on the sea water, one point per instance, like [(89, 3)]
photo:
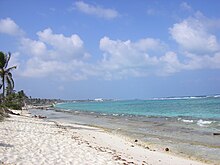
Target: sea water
[(198, 108), (183, 124)]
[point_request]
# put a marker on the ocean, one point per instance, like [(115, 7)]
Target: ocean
[(197, 108), (186, 125)]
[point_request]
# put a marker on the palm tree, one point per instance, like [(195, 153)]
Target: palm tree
[(5, 74)]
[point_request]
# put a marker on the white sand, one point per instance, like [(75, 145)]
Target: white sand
[(26, 140)]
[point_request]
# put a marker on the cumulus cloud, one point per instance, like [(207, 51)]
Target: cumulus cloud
[(169, 64), (127, 53), (8, 26), (72, 45), (96, 10), (120, 59), (127, 58), (193, 35), (54, 55), (33, 47), (72, 70), (64, 57), (200, 62), (135, 59), (198, 42)]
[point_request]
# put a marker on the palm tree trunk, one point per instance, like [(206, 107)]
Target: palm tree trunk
[(3, 85)]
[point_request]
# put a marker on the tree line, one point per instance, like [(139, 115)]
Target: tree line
[(9, 98)]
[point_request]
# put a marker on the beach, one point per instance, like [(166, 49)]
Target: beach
[(188, 126), (25, 139), (110, 82)]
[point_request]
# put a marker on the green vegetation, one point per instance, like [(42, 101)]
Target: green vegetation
[(3, 113), (6, 75), (8, 98), (15, 100), (43, 102)]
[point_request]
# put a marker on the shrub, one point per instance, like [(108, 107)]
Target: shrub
[(3, 114)]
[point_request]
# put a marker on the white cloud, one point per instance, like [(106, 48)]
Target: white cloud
[(8, 26), (72, 70), (54, 55), (148, 44), (130, 59), (127, 53), (202, 62), (193, 35), (121, 59), (64, 57), (199, 44), (67, 45), (32, 47), (96, 10), (135, 59), (169, 64)]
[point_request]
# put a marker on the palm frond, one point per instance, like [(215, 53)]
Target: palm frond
[(2, 59), (9, 77), (11, 68), (5, 73), (1, 72)]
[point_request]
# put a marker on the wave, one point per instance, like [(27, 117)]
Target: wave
[(216, 96), (187, 121), (185, 97), (203, 123), (199, 122)]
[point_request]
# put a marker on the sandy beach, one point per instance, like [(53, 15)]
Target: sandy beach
[(28, 140)]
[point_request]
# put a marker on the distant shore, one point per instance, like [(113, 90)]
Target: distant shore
[(29, 140)]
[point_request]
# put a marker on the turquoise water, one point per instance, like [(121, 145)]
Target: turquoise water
[(187, 107), (185, 125)]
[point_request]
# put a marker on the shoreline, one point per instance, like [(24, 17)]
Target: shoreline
[(180, 138), (104, 147)]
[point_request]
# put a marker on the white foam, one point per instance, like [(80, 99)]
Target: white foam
[(187, 121), (217, 96), (203, 122)]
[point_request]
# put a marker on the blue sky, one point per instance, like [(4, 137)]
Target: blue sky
[(113, 49)]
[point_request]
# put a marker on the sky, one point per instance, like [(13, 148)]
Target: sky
[(120, 49)]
